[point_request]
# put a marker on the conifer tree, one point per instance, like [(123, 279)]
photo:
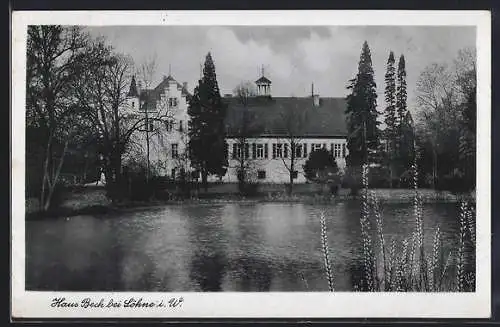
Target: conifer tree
[(401, 97), (404, 137), (207, 145), (390, 114), (361, 113)]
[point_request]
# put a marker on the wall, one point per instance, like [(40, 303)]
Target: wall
[(276, 169), (164, 134)]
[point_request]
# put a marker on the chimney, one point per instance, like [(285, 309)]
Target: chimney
[(316, 100), (315, 97)]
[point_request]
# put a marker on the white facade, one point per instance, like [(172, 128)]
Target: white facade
[(273, 165), (168, 122), (268, 161)]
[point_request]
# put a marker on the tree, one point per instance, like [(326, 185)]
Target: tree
[(465, 66), (401, 96), (446, 96), (244, 129), (404, 128), (291, 120), (361, 114), (102, 93), (390, 114), (55, 59), (208, 148), (321, 167)]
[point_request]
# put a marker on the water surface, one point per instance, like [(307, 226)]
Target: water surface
[(227, 247)]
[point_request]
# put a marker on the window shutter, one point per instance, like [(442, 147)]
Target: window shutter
[(274, 150), (285, 151), (234, 150), (254, 150), (265, 151), (343, 150)]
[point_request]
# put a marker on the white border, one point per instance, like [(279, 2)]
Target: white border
[(254, 305)]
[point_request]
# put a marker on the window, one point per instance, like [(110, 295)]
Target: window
[(241, 149), (151, 127), (169, 125), (295, 174), (265, 151), (279, 150), (315, 146), (172, 102), (235, 149), (305, 150), (298, 150), (175, 150), (133, 104), (285, 152), (260, 151), (336, 150), (343, 150), (172, 172), (181, 127), (247, 150), (274, 150), (261, 174)]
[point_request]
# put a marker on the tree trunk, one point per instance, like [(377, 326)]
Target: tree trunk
[(204, 179), (52, 180)]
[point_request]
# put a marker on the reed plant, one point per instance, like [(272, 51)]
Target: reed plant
[(406, 265), (326, 252)]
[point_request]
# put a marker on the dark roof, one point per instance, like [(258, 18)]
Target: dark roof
[(132, 92), (266, 116), (151, 96), (263, 80)]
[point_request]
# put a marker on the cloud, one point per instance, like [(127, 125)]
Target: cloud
[(293, 56)]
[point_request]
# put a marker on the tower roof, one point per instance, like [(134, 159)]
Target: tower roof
[(263, 80), (132, 92)]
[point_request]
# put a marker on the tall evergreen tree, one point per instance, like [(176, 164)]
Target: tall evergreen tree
[(361, 113), (404, 123), (401, 96), (390, 114), (407, 143), (208, 148)]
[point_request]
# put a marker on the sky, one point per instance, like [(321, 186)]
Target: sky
[(293, 57)]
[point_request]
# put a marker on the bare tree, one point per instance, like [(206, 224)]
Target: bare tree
[(103, 93), (292, 121), (54, 60), (147, 71), (244, 129), (441, 93)]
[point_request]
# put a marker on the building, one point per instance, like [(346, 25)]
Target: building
[(260, 131), (164, 108)]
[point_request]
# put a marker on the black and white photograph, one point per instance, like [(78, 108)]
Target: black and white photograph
[(251, 158)]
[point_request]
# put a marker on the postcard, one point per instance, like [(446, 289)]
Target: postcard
[(251, 164)]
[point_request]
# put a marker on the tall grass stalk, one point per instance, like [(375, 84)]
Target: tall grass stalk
[(406, 266), (326, 254)]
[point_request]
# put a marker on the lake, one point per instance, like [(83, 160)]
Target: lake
[(216, 247)]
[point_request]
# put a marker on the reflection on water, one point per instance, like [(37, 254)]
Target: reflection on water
[(232, 247)]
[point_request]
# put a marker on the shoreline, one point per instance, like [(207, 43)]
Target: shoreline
[(103, 207)]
